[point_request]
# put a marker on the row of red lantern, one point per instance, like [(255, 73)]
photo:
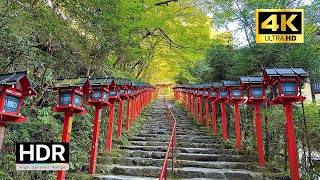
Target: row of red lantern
[(104, 92), (285, 89)]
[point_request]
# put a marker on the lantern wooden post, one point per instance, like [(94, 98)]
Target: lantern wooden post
[(197, 108), (291, 143), (224, 120), (127, 114), (189, 101), (214, 117), (192, 103), (95, 140), (200, 109), (120, 119), (110, 127), (207, 112), (184, 97), (67, 126), (259, 135), (237, 125)]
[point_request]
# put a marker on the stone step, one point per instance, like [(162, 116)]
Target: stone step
[(183, 139), (151, 139), (150, 143), (153, 135), (211, 157), (193, 172), (214, 164), (185, 172), (146, 148), (122, 177), (146, 154), (207, 150), (203, 145), (138, 161)]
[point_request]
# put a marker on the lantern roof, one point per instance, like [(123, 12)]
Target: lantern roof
[(100, 81), (285, 71), (122, 81), (217, 84), (251, 80), (19, 78), (208, 85), (82, 82), (228, 83)]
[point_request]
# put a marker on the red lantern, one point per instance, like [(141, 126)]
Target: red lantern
[(99, 98), (223, 95), (122, 86), (235, 96), (285, 88), (13, 88), (70, 99), (256, 96), (214, 91)]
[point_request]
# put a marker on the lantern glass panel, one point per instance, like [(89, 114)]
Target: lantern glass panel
[(128, 91), (256, 92), (96, 95), (213, 93), (276, 90), (289, 88), (206, 92), (11, 103), (77, 99), (105, 96), (236, 93), (113, 93), (65, 98), (122, 92), (223, 93)]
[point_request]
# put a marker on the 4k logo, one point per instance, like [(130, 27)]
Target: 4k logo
[(279, 26)]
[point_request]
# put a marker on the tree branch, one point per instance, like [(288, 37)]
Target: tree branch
[(165, 2)]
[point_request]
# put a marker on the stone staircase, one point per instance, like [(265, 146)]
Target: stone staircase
[(198, 156)]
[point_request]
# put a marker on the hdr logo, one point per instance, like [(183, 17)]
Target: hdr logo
[(279, 26), (42, 156)]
